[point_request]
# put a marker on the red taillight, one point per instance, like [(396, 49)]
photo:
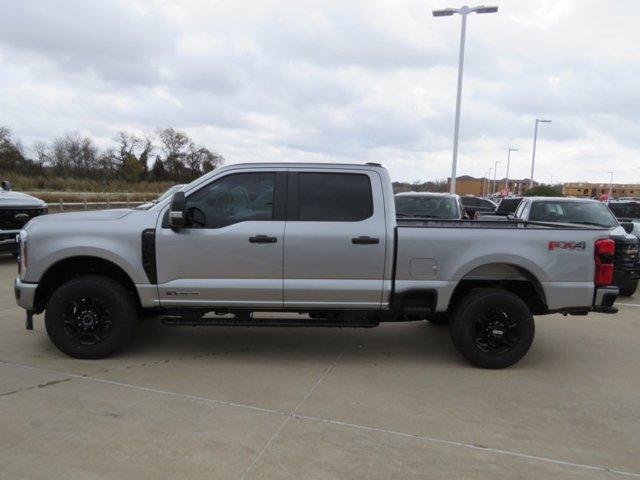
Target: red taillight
[(604, 250)]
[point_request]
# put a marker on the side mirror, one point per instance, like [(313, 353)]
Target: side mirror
[(178, 211), (628, 226), (6, 185)]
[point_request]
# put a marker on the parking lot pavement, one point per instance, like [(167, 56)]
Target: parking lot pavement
[(396, 401)]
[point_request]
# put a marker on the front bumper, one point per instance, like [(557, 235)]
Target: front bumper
[(25, 294), (8, 242), (604, 299), (625, 272)]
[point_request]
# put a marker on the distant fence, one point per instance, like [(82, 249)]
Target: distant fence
[(74, 206)]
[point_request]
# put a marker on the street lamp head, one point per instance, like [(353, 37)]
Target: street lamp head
[(513, 149), (540, 120), (447, 12), (483, 9)]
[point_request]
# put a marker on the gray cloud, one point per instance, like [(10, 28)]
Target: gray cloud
[(345, 81)]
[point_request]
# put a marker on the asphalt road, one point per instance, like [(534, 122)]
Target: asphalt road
[(391, 402)]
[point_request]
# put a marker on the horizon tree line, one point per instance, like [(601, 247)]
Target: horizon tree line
[(166, 155)]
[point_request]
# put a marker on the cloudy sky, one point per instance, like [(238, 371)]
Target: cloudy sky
[(346, 81)]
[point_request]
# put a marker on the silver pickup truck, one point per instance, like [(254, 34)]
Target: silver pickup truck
[(244, 243)]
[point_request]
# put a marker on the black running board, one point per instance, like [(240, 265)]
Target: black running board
[(269, 322)]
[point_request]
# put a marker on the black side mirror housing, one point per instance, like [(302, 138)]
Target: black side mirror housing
[(178, 215), (6, 185), (628, 226)]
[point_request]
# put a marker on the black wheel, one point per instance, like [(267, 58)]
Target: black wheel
[(492, 328), (440, 319), (628, 288), (90, 317)]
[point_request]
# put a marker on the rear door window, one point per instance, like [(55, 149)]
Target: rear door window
[(333, 197)]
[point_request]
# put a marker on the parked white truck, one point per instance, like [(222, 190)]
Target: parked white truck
[(318, 239)]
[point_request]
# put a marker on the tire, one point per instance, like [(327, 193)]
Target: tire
[(90, 317), (440, 319), (492, 328), (628, 288)]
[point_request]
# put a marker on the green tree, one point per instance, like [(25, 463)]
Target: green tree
[(132, 169)]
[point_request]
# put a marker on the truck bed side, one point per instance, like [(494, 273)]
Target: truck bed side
[(439, 256)]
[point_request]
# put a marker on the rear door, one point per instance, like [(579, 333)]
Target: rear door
[(335, 239)]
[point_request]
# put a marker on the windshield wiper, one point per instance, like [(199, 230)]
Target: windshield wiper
[(595, 224), (408, 215)]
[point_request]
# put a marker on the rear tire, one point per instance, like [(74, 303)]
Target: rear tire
[(492, 328), (628, 288), (90, 317)]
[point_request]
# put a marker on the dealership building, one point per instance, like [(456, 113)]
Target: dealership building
[(468, 185), (585, 189)]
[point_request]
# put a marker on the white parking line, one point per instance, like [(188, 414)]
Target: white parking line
[(292, 414)]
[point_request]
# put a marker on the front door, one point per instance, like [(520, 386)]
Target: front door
[(335, 240), (231, 253)]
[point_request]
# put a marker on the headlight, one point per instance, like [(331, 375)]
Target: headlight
[(23, 238)]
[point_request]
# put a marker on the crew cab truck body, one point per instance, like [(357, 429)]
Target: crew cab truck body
[(317, 239)]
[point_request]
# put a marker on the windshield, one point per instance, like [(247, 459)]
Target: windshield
[(626, 210), (423, 206), (508, 205), (168, 193), (585, 213)]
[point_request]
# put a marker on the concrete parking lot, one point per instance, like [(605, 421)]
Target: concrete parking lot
[(391, 402)]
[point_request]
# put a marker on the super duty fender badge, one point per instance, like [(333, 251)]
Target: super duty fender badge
[(566, 245)]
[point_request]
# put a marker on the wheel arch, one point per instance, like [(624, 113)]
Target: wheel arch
[(507, 276), (76, 266)]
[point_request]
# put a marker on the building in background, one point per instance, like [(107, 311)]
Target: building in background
[(467, 185), (585, 189)]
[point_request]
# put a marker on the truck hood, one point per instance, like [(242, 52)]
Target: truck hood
[(87, 215), (17, 199)]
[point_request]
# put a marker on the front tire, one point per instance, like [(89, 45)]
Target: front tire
[(492, 328), (90, 317), (628, 288)]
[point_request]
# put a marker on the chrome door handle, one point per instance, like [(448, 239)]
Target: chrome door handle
[(363, 240), (263, 239)]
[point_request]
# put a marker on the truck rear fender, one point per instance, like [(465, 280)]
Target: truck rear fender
[(515, 278)]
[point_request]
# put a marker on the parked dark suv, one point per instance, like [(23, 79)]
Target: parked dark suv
[(472, 205), (16, 209), (627, 211)]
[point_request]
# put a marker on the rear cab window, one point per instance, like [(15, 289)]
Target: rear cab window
[(331, 197)]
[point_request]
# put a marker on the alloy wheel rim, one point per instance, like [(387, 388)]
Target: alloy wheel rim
[(87, 320), (496, 331)]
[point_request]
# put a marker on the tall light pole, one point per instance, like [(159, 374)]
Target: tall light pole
[(535, 141), (495, 171), (463, 11), (489, 181), (506, 182), (485, 182), (610, 184)]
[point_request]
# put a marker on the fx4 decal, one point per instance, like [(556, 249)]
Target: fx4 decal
[(566, 245)]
